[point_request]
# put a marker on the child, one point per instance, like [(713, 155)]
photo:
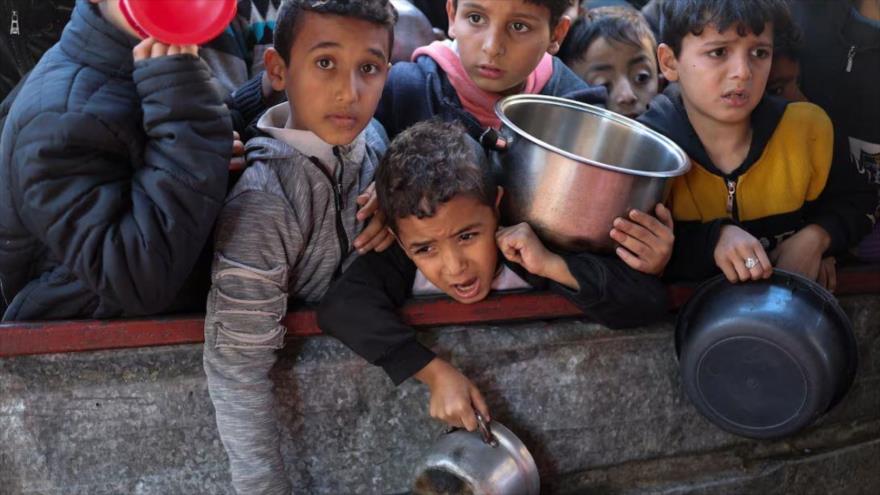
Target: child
[(114, 163), (785, 70), (442, 205), (615, 48), (287, 227), (840, 69), (501, 47), (751, 200)]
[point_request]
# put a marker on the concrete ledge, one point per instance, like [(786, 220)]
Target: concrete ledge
[(601, 410)]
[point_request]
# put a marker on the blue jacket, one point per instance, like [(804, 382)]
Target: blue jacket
[(111, 176), (420, 90)]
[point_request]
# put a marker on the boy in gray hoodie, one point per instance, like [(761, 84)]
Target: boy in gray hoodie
[(291, 221)]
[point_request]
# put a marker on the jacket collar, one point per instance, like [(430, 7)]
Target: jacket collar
[(91, 40)]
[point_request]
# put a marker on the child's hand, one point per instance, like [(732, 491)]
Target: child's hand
[(802, 253), (375, 235), (238, 161), (828, 273), (521, 245), (453, 396), (736, 249), (645, 242), (150, 48)]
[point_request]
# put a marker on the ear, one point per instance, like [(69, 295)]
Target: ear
[(498, 197), (276, 69), (450, 14), (558, 35), (667, 61)]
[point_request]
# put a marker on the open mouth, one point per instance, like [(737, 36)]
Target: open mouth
[(468, 289), (736, 98)]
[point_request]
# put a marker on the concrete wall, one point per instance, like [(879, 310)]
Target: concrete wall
[(602, 412)]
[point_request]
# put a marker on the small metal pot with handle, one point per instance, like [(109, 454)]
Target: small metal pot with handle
[(484, 462)]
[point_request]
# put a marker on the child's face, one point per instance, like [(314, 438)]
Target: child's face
[(722, 75), (455, 249), (337, 70), (111, 13), (627, 71), (783, 79), (500, 42)]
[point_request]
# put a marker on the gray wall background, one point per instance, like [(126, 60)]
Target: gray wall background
[(601, 410)]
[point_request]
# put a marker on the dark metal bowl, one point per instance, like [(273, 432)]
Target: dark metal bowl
[(765, 359)]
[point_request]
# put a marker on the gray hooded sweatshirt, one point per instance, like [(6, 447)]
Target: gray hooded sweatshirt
[(285, 230)]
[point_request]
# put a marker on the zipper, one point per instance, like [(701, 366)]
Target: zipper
[(849, 58), (731, 200), (339, 203), (13, 27)]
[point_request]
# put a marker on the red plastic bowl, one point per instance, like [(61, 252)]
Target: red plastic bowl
[(179, 22)]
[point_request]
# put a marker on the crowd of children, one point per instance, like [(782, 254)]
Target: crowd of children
[(359, 184)]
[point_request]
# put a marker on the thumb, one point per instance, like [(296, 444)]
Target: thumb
[(479, 403), (664, 214)]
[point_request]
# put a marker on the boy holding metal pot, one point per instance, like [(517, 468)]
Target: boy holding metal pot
[(441, 205), (756, 197)]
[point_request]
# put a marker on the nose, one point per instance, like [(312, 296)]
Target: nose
[(493, 43), (347, 89), (454, 261), (742, 67), (624, 96)]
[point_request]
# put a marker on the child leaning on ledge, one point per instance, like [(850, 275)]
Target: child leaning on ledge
[(756, 196), (288, 226), (442, 207)]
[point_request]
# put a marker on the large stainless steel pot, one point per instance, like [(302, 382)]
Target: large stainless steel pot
[(570, 169), (484, 462)]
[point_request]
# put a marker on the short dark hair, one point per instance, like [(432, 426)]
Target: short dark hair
[(682, 17), (620, 24), (556, 8), (787, 43), (380, 12), (427, 165)]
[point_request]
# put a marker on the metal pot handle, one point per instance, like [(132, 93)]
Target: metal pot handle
[(485, 432)]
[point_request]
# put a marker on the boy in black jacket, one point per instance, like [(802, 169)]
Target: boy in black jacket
[(442, 205), (113, 167)]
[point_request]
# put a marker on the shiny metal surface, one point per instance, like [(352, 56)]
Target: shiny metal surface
[(463, 462), (571, 168)]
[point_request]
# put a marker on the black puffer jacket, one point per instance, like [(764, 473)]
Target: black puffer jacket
[(111, 176)]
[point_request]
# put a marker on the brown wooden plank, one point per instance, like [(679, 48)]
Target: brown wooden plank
[(18, 339)]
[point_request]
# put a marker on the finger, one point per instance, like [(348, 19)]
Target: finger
[(190, 50), (369, 208), (236, 136), (633, 244), (385, 244), (173, 50), (764, 260), (739, 266), (142, 50), (832, 275), (467, 418), (727, 268), (237, 164), (374, 228), (237, 148), (375, 241), (649, 223), (664, 215), (636, 230), (631, 260), (158, 49), (822, 278), (479, 403)]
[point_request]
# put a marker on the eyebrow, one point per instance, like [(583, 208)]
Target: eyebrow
[(420, 244), (519, 15), (599, 67), (638, 60), (332, 44)]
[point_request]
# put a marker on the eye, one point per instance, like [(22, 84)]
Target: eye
[(718, 52), (423, 251), (775, 91), (325, 64), (643, 78), (370, 69), (761, 53), (475, 18), (467, 236), (519, 27)]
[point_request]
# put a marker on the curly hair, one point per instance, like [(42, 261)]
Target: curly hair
[(556, 8), (427, 165), (380, 12), (682, 17)]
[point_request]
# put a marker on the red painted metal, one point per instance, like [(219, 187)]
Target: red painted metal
[(17, 339)]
